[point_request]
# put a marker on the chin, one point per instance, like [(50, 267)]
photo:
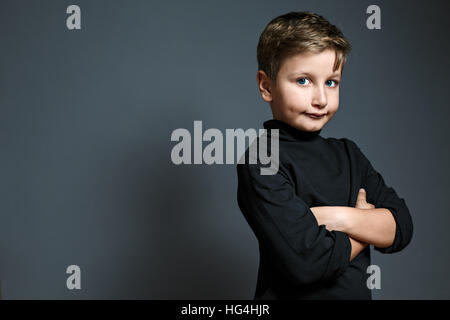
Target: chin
[(313, 128), (303, 125)]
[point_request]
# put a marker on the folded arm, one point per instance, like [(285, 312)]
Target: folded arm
[(357, 247), (287, 230), (383, 196), (374, 226), (389, 226)]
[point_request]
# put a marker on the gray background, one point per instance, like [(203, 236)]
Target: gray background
[(86, 117)]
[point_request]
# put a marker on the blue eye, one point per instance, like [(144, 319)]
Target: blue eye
[(335, 83), (302, 81)]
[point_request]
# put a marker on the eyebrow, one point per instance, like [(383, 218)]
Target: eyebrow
[(335, 74)]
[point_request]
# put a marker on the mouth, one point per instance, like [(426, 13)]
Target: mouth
[(316, 115)]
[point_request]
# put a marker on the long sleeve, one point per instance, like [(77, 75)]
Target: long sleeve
[(382, 196), (285, 226)]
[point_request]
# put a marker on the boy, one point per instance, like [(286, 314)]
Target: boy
[(312, 221)]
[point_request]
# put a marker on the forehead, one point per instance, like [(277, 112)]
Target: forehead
[(312, 63)]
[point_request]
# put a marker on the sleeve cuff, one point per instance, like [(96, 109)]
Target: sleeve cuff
[(340, 258), (398, 235)]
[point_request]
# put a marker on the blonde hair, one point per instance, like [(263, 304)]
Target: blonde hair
[(297, 32)]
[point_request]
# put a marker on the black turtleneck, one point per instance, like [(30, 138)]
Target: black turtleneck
[(290, 133), (298, 258)]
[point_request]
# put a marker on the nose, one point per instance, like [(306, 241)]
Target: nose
[(319, 98)]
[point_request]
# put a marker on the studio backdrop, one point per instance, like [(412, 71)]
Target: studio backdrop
[(91, 93)]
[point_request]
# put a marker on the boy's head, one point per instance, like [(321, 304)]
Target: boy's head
[(301, 57)]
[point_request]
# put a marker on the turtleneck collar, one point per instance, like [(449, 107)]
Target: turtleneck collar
[(287, 132)]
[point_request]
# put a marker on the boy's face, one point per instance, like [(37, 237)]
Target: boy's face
[(306, 86)]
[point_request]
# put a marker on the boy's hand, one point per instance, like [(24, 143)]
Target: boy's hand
[(361, 202), (337, 218)]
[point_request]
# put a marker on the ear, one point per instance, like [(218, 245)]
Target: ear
[(264, 86)]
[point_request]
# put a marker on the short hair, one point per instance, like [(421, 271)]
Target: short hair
[(298, 32)]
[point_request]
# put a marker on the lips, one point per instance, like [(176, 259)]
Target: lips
[(316, 115)]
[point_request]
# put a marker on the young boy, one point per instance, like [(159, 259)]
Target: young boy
[(312, 220)]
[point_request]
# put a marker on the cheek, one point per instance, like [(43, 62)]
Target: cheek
[(333, 101), (332, 111), (296, 99)]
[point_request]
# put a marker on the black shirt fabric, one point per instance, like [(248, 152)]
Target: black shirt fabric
[(298, 258)]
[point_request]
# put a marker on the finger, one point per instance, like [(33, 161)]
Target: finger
[(361, 196)]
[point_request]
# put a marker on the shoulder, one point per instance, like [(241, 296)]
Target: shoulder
[(342, 143), (351, 147), (345, 142)]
